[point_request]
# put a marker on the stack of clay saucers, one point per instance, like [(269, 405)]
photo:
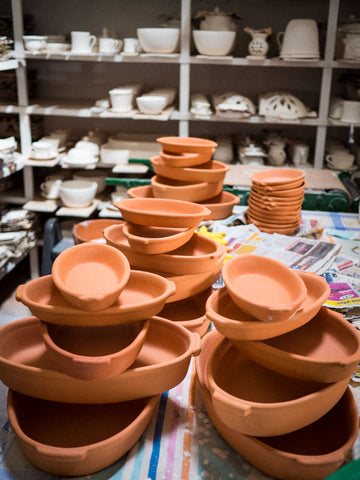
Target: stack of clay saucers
[(274, 373), (275, 201), (90, 365)]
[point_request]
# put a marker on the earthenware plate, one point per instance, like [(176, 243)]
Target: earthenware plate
[(186, 144), (211, 171), (185, 159), (164, 187), (92, 230)]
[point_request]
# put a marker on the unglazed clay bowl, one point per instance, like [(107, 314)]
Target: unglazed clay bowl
[(263, 287), (69, 440), (222, 205), (235, 324), (164, 187), (254, 400), (185, 159), (26, 367), (90, 353), (275, 212), (142, 191), (279, 177), (154, 240), (311, 453), (91, 275), (186, 144), (286, 192), (143, 296), (161, 212), (199, 254), (92, 230)]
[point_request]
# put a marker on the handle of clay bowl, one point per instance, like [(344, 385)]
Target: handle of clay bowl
[(195, 344), (68, 456), (244, 410), (207, 214), (337, 458), (279, 39), (19, 294), (171, 290)]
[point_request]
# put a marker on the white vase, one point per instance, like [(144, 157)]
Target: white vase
[(258, 47)]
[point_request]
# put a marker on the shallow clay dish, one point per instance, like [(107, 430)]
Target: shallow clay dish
[(235, 324), (92, 230), (26, 367), (254, 400), (183, 159), (311, 453), (154, 240), (70, 440), (143, 191), (263, 287), (186, 144), (212, 171), (142, 297), (91, 275), (278, 177), (161, 212), (222, 205), (199, 254), (164, 187), (94, 352), (273, 228)]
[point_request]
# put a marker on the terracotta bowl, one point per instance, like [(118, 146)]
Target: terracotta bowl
[(92, 230), (263, 287), (288, 190), (212, 171), (278, 177), (154, 240), (292, 217), (254, 400), (91, 275), (160, 212), (222, 205), (94, 352), (180, 190), (275, 211), (200, 254), (26, 367), (143, 191), (186, 144), (275, 229), (70, 440), (270, 202), (311, 453), (235, 324), (185, 159)]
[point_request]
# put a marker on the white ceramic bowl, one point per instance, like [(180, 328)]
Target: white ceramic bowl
[(77, 193), (158, 40), (92, 176), (214, 43), (112, 154), (34, 43), (56, 47), (151, 104)]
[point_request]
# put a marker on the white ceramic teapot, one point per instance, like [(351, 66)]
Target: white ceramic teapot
[(217, 20)]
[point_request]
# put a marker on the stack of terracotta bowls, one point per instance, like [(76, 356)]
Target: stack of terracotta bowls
[(85, 373), (274, 373), (186, 171), (275, 201), (159, 236)]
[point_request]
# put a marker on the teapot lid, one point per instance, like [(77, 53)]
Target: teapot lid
[(215, 12)]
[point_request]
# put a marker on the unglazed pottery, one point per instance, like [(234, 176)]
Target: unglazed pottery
[(287, 192), (222, 205), (263, 287), (164, 187), (279, 177), (92, 230), (143, 296), (162, 363), (311, 453), (186, 144), (94, 352), (235, 324), (160, 212), (142, 191), (91, 275), (70, 440), (254, 400), (153, 240), (185, 159), (199, 254)]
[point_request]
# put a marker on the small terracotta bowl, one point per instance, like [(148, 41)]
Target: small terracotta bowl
[(92, 230), (143, 191), (164, 187), (91, 275), (71, 440), (186, 144), (221, 206), (154, 240), (263, 287), (183, 159), (212, 171), (90, 353), (278, 177)]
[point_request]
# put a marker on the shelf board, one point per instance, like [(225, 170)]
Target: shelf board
[(243, 61), (11, 64), (102, 57)]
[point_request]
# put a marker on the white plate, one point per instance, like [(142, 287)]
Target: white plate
[(38, 156)]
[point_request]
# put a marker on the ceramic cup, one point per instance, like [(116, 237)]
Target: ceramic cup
[(300, 39), (50, 188), (82, 42), (121, 99), (131, 45), (300, 154), (43, 149), (340, 160), (350, 111), (109, 45)]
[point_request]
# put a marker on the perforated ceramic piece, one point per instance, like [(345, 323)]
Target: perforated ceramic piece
[(284, 105), (92, 230), (164, 187), (186, 144)]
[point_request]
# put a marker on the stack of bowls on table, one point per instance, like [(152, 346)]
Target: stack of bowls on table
[(86, 371), (275, 201), (186, 171), (159, 236), (274, 373)]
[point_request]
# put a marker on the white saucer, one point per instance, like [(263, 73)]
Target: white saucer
[(37, 156), (48, 197), (120, 112)]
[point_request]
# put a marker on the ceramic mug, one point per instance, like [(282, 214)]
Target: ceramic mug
[(82, 42), (340, 160), (300, 153), (43, 149), (50, 188), (131, 45), (350, 111), (121, 99), (109, 45)]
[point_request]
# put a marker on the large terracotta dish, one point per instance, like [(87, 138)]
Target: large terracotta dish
[(222, 205), (212, 171), (92, 230), (185, 159), (143, 297), (254, 400), (26, 367), (154, 240), (91, 275), (263, 287), (186, 144), (160, 212), (200, 254), (237, 325), (278, 176), (310, 453), (164, 187), (70, 440), (326, 349), (92, 353)]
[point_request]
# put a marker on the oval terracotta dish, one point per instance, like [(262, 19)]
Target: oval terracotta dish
[(71, 440), (160, 212), (254, 400), (142, 297), (162, 363), (263, 287), (278, 176), (235, 324), (94, 352), (185, 159), (164, 187), (221, 206), (311, 453), (91, 275), (92, 230), (186, 144), (153, 240)]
